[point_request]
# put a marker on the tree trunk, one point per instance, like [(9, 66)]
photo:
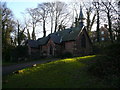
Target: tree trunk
[(55, 23), (55, 26), (88, 21), (33, 33), (51, 24), (28, 34), (18, 35), (98, 29), (110, 28), (44, 31)]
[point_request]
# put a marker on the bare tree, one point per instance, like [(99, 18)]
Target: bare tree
[(35, 19), (109, 9), (51, 10), (26, 25), (59, 14), (97, 9), (42, 11), (89, 14)]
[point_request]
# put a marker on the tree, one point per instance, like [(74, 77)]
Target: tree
[(26, 23), (89, 11), (21, 37), (7, 29), (43, 12), (7, 24), (116, 21), (60, 14), (51, 11), (109, 9), (35, 19), (97, 9)]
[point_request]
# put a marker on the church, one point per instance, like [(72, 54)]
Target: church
[(74, 40)]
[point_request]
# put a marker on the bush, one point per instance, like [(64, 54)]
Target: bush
[(109, 61), (98, 48), (112, 50), (6, 52), (19, 53), (67, 55)]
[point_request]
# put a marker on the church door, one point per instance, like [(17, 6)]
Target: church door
[(51, 50)]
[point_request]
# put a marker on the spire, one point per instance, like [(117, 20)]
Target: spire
[(81, 17), (81, 13)]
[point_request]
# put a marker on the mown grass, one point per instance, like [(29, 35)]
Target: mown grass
[(64, 73)]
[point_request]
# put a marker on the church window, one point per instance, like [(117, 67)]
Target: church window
[(51, 50), (83, 41)]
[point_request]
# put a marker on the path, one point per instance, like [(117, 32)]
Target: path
[(9, 69)]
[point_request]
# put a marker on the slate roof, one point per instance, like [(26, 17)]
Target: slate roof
[(57, 37), (33, 43), (43, 41)]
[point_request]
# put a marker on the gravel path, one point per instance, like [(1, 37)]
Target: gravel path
[(9, 69)]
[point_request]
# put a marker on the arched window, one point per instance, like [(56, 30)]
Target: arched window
[(51, 50), (83, 41)]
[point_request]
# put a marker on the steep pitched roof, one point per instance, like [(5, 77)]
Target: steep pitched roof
[(43, 41), (57, 37), (33, 43), (65, 35)]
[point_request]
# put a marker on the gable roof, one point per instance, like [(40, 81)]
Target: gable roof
[(43, 41), (33, 43), (69, 34)]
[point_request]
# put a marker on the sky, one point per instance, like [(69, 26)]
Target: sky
[(19, 6)]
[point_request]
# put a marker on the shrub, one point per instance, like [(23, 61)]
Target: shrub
[(112, 50), (108, 64), (66, 55), (19, 53)]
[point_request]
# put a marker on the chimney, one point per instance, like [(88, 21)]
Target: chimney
[(105, 25)]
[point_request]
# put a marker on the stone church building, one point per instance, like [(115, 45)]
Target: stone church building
[(74, 40)]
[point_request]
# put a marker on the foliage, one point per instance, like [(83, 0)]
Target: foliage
[(112, 50), (107, 66), (7, 24), (14, 54), (6, 53), (66, 55), (19, 53), (99, 47)]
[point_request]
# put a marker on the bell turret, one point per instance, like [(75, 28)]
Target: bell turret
[(81, 17)]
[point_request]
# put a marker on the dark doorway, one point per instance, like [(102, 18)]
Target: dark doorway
[(51, 50), (83, 41)]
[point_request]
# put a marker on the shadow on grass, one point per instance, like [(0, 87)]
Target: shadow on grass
[(64, 73)]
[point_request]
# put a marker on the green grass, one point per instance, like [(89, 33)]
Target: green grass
[(64, 73)]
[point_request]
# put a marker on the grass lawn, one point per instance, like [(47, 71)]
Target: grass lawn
[(64, 73)]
